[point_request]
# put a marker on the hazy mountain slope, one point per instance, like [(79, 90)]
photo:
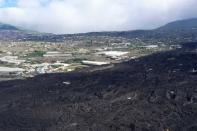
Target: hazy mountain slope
[(178, 31), (13, 33), (182, 29), (187, 24), (175, 32), (153, 93), (7, 27)]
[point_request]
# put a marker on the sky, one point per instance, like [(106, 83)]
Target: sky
[(77, 16)]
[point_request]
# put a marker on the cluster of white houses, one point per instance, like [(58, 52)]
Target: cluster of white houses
[(27, 68), (5, 71), (11, 60)]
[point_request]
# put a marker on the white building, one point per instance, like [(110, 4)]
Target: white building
[(11, 60), (114, 54), (96, 63), (11, 71), (151, 46), (57, 54)]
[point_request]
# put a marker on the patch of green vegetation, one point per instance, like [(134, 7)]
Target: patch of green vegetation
[(75, 60), (34, 62), (55, 66), (36, 53), (8, 65)]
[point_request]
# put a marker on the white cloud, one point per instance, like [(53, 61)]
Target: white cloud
[(71, 16), (1, 2)]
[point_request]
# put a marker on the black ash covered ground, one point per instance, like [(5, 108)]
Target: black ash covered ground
[(153, 93)]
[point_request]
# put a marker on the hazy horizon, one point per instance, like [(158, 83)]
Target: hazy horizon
[(80, 16)]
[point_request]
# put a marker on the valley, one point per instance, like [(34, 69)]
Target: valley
[(142, 80), (29, 58)]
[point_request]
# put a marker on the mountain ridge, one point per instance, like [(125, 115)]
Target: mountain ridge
[(181, 24), (182, 28), (7, 27)]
